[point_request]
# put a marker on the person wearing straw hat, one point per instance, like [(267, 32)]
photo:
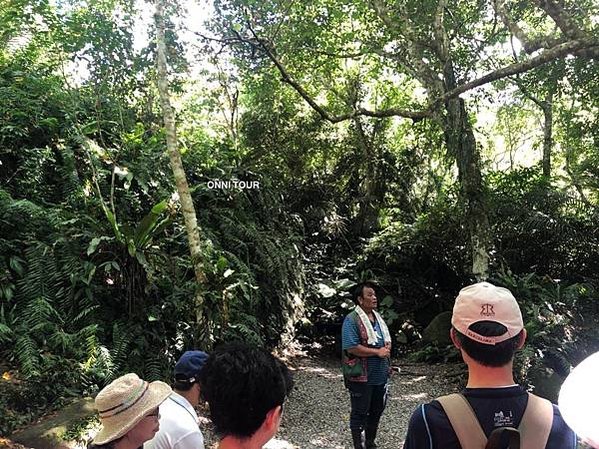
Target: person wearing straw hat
[(487, 329), (179, 427), (128, 409), (245, 388)]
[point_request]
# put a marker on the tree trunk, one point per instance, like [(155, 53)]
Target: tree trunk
[(369, 202), (187, 207), (460, 141), (547, 107)]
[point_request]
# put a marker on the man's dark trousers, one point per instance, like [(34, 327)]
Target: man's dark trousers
[(367, 405)]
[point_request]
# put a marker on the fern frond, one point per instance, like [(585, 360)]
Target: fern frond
[(28, 356), (6, 333), (121, 340), (154, 367)]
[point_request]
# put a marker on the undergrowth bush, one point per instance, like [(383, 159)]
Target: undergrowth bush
[(113, 294), (560, 319)]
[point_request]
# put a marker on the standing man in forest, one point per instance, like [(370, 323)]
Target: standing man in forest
[(487, 328), (366, 354), (179, 427)]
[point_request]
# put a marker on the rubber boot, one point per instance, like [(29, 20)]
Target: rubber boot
[(357, 436), (370, 437)]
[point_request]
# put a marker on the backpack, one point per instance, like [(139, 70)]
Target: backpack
[(532, 433)]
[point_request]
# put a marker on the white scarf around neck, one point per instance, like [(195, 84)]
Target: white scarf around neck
[(372, 338)]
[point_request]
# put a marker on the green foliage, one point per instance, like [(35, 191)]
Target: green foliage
[(254, 270), (541, 228), (422, 263), (537, 227), (387, 310), (95, 276), (433, 353), (78, 430), (556, 319)]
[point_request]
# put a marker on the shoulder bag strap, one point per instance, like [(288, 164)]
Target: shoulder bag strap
[(536, 423), (464, 421)]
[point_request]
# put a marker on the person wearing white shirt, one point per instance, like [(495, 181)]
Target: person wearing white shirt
[(179, 427)]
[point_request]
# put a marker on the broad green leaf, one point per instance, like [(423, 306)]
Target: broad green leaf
[(221, 263), (147, 224), (113, 223), (141, 258), (7, 291), (387, 301), (90, 275), (131, 247), (93, 245), (16, 264)]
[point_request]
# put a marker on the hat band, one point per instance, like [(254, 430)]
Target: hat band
[(183, 378), (133, 399)]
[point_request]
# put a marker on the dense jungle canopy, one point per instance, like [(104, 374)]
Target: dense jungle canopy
[(228, 170)]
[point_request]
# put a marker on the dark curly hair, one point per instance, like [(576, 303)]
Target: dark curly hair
[(242, 384)]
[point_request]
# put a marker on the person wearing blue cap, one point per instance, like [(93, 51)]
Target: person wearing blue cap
[(179, 427)]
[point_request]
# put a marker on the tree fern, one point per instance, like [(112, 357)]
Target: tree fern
[(243, 331), (87, 313), (39, 311)]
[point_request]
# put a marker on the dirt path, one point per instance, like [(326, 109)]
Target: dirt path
[(317, 413)]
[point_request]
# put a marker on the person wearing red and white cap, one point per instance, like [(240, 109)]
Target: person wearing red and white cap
[(487, 329)]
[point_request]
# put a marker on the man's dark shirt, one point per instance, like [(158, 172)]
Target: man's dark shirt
[(429, 426)]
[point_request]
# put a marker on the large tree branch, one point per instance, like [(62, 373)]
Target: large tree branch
[(287, 78), (415, 48), (581, 47), (340, 54), (561, 18), (529, 44)]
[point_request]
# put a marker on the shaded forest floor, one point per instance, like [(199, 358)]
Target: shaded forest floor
[(317, 412)]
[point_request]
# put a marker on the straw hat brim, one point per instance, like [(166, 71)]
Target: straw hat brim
[(118, 425)]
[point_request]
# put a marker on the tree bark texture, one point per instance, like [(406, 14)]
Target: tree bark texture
[(461, 143), (187, 206), (370, 201), (547, 106)]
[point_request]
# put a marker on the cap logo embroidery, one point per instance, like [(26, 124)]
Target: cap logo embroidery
[(487, 310)]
